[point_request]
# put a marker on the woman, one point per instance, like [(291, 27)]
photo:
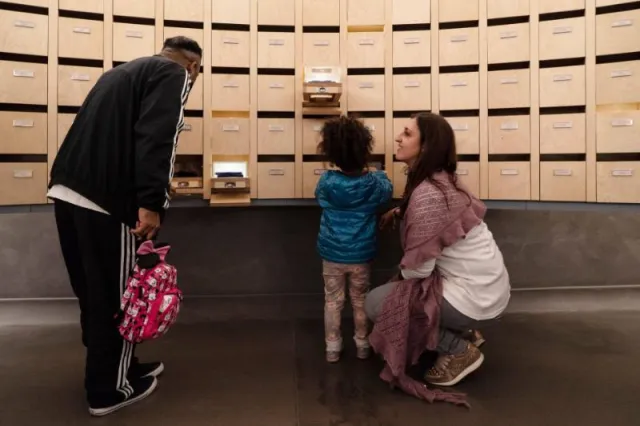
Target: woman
[(452, 275)]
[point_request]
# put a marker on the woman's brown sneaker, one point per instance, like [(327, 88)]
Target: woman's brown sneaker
[(449, 370), (475, 337)]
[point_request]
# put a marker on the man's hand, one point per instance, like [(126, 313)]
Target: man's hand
[(147, 225), (389, 218)]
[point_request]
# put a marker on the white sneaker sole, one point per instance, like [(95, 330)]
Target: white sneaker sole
[(100, 412), (470, 369), (157, 372)]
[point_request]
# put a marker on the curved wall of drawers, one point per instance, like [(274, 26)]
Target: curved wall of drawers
[(544, 95)]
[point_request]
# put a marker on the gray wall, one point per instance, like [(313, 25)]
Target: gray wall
[(271, 250)]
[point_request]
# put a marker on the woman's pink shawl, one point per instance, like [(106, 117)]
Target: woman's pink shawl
[(409, 321)]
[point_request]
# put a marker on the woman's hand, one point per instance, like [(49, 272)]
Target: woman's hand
[(389, 218)]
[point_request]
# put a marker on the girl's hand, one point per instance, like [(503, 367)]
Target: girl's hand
[(389, 218)]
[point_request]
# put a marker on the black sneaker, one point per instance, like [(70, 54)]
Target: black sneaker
[(142, 388), (142, 370)]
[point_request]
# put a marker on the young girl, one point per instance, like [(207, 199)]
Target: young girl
[(349, 198)]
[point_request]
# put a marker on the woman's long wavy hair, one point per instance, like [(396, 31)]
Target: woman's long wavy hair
[(437, 153)]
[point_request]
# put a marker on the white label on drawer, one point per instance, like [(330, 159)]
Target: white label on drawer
[(317, 128), (460, 127), (318, 172), (321, 43), (562, 30), (82, 30), (509, 172), (512, 80), (23, 174), (187, 128), (276, 172), (276, 86), (24, 73), (230, 85), (276, 42), (22, 123), (562, 172), (621, 73), (459, 38), (276, 128), (562, 77), (622, 122), (412, 84), (462, 172), (622, 173), (459, 83), (563, 125), (412, 40), (230, 128), (509, 34), (229, 40), (510, 125), (24, 24), (366, 85), (371, 127), (134, 34), (80, 77), (622, 23), (366, 42)]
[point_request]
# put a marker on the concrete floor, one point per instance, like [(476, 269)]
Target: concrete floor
[(575, 369)]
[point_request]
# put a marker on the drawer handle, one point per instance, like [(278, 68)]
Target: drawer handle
[(276, 42), (622, 173), (230, 85), (82, 30), (459, 84), (319, 172), (276, 172), (621, 73), (563, 125), (80, 77), (563, 30), (230, 128), (513, 80), (366, 85), (24, 73), (276, 86), (412, 84), (460, 127), (187, 128), (562, 172), (460, 38), (321, 43), (134, 34), (511, 125), (622, 122), (562, 77), (23, 174), (22, 123), (317, 128), (366, 42), (276, 128), (622, 23), (24, 24), (412, 40), (462, 172), (508, 34), (509, 172), (229, 40)]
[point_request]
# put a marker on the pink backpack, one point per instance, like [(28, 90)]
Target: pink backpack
[(151, 301)]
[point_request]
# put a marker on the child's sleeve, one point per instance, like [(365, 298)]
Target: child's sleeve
[(321, 190), (385, 187)]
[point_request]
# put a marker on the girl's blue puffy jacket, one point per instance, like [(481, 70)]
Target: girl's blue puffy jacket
[(348, 226)]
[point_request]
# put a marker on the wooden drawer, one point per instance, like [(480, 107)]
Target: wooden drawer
[(552, 6), (459, 91), (75, 83), (507, 8), (276, 136), (376, 127), (138, 8), (276, 50), (231, 48), (510, 134), (458, 10), (365, 92), (276, 180), (276, 92), (600, 3), (23, 183), (320, 49), (564, 38), (276, 12), (230, 136), (80, 38), (563, 181), (412, 49), (618, 83), (399, 179), (469, 176), (196, 96), (509, 89), (467, 131), (618, 131), (24, 33), (91, 6), (184, 10), (23, 83), (411, 92), (406, 12), (509, 43), (311, 129), (564, 86), (365, 12), (618, 182), (618, 32), (191, 140), (192, 33), (231, 11), (132, 41), (230, 92), (64, 124), (563, 134), (510, 181), (23, 132), (366, 50), (459, 47), (311, 173), (320, 12), (37, 3)]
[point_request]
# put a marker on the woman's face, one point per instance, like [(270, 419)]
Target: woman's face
[(408, 143)]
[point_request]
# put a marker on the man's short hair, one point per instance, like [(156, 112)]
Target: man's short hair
[(183, 43)]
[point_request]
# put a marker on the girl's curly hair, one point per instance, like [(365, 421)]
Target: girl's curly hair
[(347, 143)]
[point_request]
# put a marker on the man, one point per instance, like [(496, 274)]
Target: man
[(110, 183)]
